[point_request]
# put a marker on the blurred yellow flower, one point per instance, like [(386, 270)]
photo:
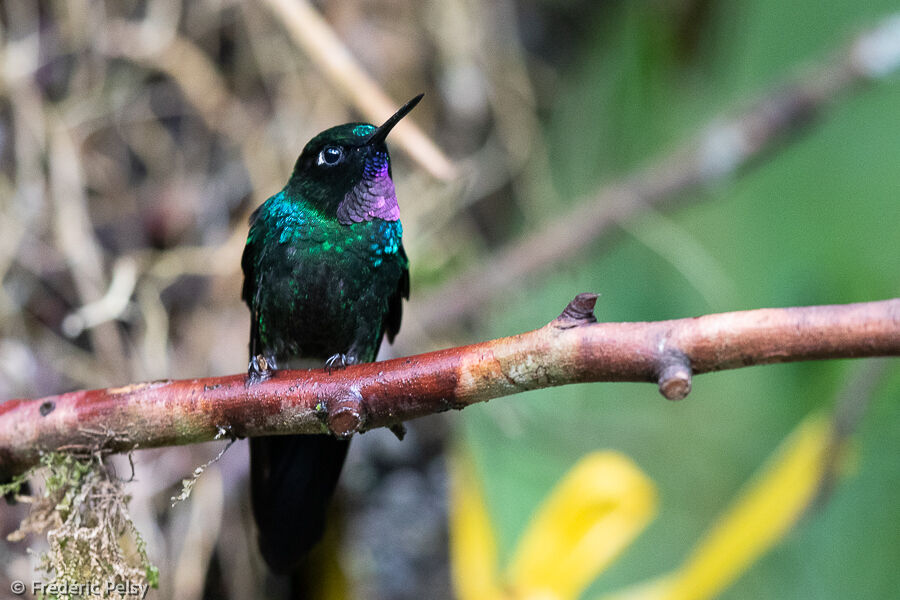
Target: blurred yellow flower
[(763, 513), (594, 513), (604, 502)]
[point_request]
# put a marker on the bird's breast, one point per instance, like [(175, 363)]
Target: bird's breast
[(317, 291)]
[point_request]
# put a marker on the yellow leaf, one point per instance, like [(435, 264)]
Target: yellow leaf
[(473, 550), (593, 514), (653, 589), (762, 514)]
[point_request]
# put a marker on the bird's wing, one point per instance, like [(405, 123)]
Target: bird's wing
[(250, 288), (395, 303)]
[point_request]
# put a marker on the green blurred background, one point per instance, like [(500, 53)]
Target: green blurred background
[(540, 104), (817, 222)]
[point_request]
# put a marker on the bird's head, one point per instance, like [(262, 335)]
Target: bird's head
[(345, 171)]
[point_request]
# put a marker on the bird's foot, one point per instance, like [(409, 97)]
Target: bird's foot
[(339, 361), (260, 369)]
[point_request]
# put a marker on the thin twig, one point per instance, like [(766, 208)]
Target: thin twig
[(726, 146), (76, 239), (318, 40)]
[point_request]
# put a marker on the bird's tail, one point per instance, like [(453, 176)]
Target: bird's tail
[(292, 481)]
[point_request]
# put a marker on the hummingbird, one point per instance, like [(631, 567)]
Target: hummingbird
[(325, 274)]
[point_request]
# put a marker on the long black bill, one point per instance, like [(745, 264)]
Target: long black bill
[(381, 133)]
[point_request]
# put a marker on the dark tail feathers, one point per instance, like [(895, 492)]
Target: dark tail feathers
[(292, 480)]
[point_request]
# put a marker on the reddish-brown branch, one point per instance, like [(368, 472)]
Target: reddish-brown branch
[(570, 349)]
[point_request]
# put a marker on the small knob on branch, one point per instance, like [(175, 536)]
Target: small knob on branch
[(580, 311), (675, 376), (346, 414)]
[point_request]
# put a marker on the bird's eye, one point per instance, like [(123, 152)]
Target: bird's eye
[(330, 156)]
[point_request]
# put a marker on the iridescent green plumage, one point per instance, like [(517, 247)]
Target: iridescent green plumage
[(317, 287), (324, 277)]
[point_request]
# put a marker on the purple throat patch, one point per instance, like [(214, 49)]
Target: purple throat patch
[(374, 197)]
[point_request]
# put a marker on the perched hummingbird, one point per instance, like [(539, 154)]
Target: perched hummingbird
[(324, 277)]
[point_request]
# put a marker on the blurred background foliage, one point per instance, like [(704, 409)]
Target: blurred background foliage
[(136, 137)]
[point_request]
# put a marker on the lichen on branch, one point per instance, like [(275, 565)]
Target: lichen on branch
[(83, 511)]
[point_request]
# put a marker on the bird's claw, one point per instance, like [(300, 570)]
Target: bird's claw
[(339, 361), (260, 368)]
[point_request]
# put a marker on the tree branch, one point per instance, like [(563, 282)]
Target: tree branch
[(572, 348)]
